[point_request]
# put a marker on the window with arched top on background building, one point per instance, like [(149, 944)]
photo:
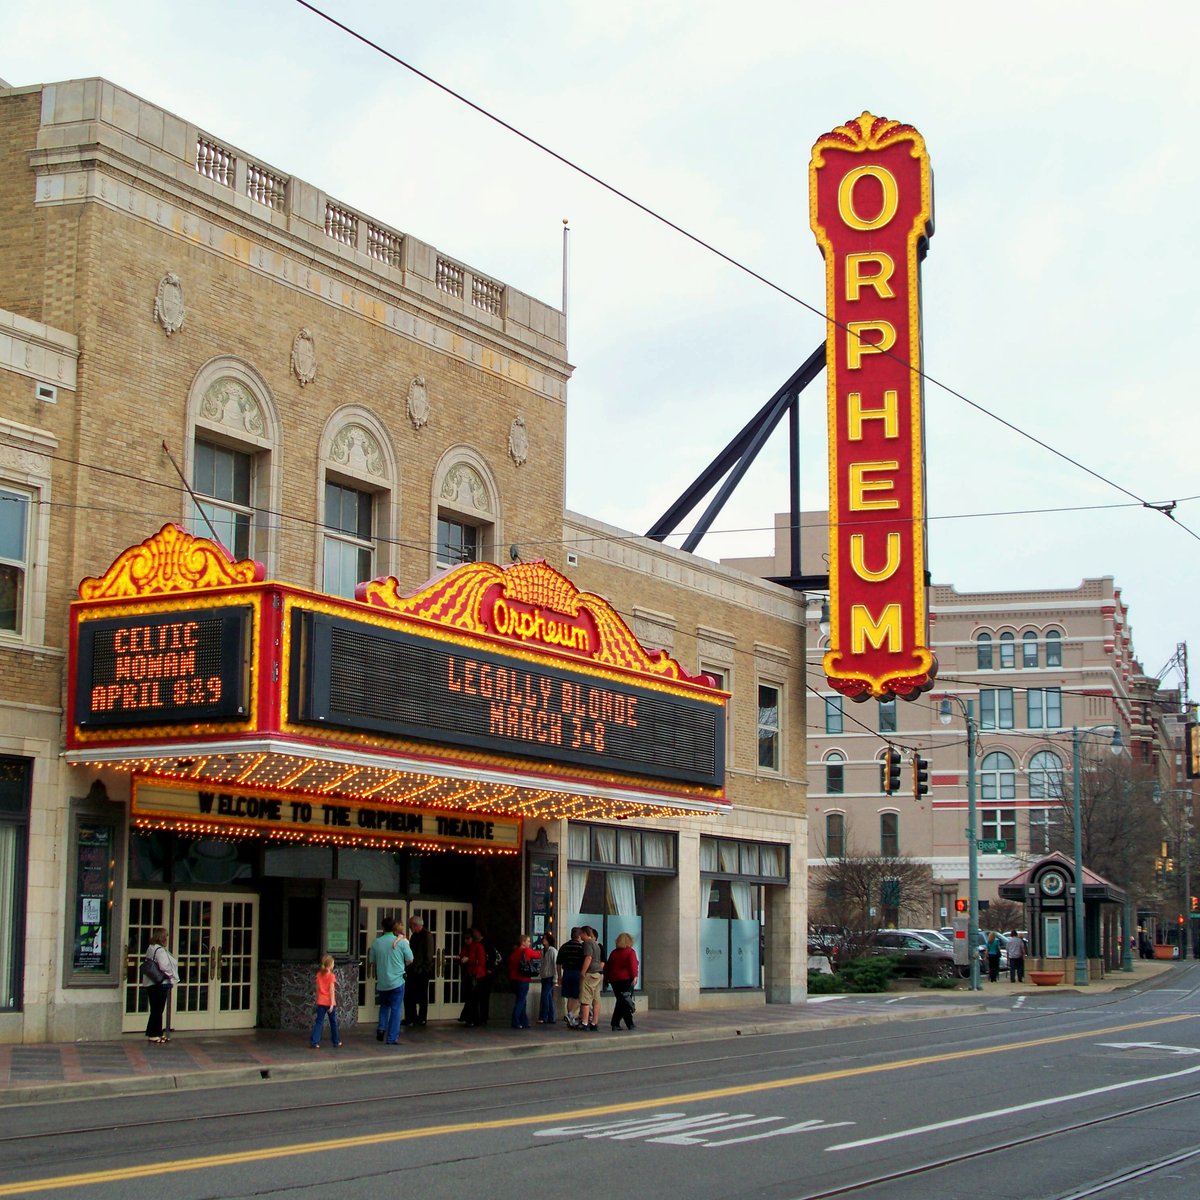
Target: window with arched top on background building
[(1029, 649), (835, 835), (1008, 651), (983, 652), (1045, 776), (1053, 648), (835, 773), (997, 777)]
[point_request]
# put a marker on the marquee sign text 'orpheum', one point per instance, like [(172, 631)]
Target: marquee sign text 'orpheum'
[(871, 207)]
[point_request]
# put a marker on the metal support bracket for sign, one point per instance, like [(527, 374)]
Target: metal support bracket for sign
[(736, 459)]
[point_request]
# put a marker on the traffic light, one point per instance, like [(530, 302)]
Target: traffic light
[(891, 771), (920, 782), (1196, 904), (961, 905)]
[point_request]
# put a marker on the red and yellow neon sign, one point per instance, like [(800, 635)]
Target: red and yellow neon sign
[(871, 208)]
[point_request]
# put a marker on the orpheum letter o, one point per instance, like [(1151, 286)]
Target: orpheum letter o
[(891, 197)]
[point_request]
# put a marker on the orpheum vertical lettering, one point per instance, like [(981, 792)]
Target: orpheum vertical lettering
[(871, 208)]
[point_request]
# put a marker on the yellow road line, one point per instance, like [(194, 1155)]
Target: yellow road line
[(208, 1162)]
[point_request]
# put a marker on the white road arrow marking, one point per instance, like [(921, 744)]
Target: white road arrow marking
[(1151, 1046)]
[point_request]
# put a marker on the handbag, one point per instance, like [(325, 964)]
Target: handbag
[(529, 966), (152, 973)]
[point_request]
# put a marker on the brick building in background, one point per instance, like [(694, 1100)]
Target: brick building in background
[(191, 335)]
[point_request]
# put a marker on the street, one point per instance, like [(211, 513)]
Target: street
[(1055, 1095)]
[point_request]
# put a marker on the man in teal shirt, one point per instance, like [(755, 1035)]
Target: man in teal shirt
[(390, 954)]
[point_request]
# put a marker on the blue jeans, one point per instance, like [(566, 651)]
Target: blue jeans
[(547, 1015), (520, 1013), (324, 1010), (391, 1009)]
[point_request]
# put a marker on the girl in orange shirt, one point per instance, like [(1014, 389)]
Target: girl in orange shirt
[(326, 1004)]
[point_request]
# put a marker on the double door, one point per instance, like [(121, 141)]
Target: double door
[(214, 938), (446, 924)]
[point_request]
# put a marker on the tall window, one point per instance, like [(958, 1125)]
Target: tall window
[(1045, 708), (835, 774), (983, 652), (223, 480), (835, 835), (996, 708), (1008, 651), (889, 834), (1029, 649), (15, 779), (996, 823), (457, 543), (1041, 829), (768, 727), (887, 716), (997, 777), (1053, 648), (15, 509), (834, 714), (349, 539), (1045, 776)]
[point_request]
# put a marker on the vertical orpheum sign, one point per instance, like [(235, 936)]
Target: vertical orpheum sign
[(871, 207)]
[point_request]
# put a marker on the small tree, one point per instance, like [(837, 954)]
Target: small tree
[(864, 892)]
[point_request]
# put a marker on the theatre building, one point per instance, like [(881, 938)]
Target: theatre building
[(296, 636)]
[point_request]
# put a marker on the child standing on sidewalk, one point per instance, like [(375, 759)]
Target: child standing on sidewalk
[(326, 1004)]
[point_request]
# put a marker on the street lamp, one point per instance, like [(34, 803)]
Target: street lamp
[(946, 715), (1081, 968)]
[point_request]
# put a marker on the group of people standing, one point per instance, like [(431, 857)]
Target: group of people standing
[(403, 966), (580, 968), (1014, 946)]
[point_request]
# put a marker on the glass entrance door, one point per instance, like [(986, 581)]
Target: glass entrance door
[(216, 943), (145, 911), (446, 924)]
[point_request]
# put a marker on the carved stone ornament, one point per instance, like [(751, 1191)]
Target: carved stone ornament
[(418, 403), (228, 402), (168, 303), (518, 441), (464, 488), (356, 449), (304, 357)]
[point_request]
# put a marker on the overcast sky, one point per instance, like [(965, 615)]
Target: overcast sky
[(1059, 291)]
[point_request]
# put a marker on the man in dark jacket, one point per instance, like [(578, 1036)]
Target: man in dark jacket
[(416, 991), (570, 971)]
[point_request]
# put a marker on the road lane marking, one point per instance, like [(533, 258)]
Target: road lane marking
[(362, 1141), (678, 1129), (1151, 1046), (1006, 1112)]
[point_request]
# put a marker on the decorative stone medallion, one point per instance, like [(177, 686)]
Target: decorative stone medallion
[(518, 441), (168, 303), (304, 357), (418, 403)]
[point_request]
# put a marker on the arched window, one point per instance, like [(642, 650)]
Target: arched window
[(466, 501), (997, 777), (1045, 776), (889, 834), (835, 773), (983, 652), (1053, 648), (1029, 648), (835, 835), (1008, 651)]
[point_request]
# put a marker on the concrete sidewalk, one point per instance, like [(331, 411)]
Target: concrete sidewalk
[(38, 1073)]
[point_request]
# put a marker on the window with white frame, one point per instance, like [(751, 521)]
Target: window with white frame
[(1029, 649), (835, 773), (834, 714), (1042, 825), (458, 543), (1053, 648), (983, 652), (466, 509), (768, 727), (887, 716), (997, 777), (349, 552), (16, 509), (996, 708), (223, 508), (1008, 651), (1045, 708), (997, 824), (1045, 776)]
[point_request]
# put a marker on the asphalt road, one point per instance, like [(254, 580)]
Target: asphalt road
[(1050, 1096)]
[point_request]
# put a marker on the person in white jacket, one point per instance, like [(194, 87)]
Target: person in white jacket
[(160, 973)]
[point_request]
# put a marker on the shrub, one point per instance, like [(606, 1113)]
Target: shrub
[(928, 982), (821, 983), (870, 974)]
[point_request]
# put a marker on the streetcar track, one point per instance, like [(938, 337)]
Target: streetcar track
[(940, 1164), (1128, 1176)]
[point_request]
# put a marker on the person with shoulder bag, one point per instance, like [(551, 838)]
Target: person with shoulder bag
[(621, 972), (160, 973)]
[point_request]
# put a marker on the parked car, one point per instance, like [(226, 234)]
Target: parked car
[(916, 954), (825, 939), (934, 935)]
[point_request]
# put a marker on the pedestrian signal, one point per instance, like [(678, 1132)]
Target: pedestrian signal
[(961, 905)]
